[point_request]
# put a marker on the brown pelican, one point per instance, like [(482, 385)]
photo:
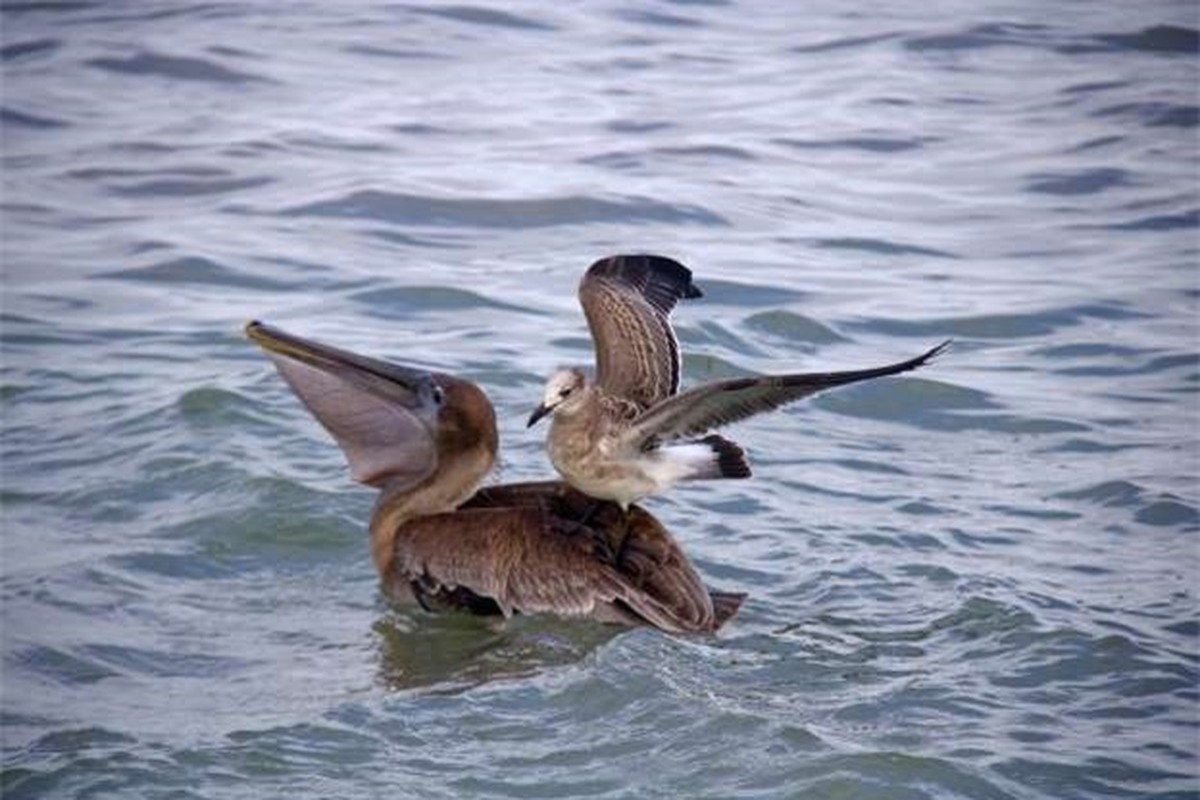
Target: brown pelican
[(631, 434), (426, 440)]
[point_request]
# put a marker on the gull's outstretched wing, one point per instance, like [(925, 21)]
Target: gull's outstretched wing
[(627, 300), (713, 405)]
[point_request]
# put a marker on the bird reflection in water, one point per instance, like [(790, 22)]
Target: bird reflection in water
[(450, 653)]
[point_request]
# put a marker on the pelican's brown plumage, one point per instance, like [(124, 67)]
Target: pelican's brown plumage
[(426, 440), (629, 434)]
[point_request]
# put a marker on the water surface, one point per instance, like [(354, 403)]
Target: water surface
[(978, 581)]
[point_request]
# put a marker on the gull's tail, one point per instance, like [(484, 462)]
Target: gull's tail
[(721, 459)]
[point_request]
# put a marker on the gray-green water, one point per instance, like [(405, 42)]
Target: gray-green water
[(976, 582)]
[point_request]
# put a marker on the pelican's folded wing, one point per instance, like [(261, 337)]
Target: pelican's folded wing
[(531, 559), (532, 493)]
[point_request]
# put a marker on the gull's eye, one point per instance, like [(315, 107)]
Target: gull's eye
[(438, 394), (564, 392)]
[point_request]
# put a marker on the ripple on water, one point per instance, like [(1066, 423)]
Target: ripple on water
[(1153, 114), (1095, 777), (1085, 181), (404, 301), (166, 187), (881, 247), (710, 335), (485, 17), (1158, 509), (69, 669), (706, 152), (659, 18), (310, 531), (509, 213), (793, 327), (195, 270), (18, 51), (923, 508), (935, 405), (161, 663), (1107, 493), (869, 144), (1091, 445), (83, 762), (307, 744), (1159, 39), (1088, 350), (1187, 220), (1003, 326), (26, 119), (978, 37), (1169, 512), (1142, 367), (1164, 40), (701, 368), (168, 67), (750, 295)]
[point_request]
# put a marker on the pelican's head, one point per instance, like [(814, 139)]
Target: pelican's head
[(564, 392)]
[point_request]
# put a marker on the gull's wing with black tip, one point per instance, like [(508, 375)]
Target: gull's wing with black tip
[(713, 405), (628, 300)]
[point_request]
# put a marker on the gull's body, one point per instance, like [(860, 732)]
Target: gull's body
[(427, 440), (586, 447), (630, 433)]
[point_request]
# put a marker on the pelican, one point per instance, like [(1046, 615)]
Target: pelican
[(426, 440), (631, 434)]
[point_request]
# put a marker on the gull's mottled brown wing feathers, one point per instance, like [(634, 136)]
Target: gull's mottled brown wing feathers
[(713, 405), (627, 300)]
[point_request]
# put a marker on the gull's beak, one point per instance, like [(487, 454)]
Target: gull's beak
[(537, 414)]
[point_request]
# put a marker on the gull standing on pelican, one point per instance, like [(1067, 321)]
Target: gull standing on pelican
[(426, 440), (629, 434)]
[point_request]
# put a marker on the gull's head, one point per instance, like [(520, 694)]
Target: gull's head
[(564, 392)]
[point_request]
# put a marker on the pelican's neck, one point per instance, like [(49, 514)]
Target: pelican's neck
[(445, 490), (392, 509)]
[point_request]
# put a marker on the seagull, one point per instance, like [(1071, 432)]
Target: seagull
[(427, 440), (630, 433)]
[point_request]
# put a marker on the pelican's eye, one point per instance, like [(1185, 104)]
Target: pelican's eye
[(438, 394)]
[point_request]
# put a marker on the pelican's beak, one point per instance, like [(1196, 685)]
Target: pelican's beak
[(408, 387), (538, 413), (384, 416)]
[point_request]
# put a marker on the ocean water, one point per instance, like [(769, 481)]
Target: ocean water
[(977, 581)]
